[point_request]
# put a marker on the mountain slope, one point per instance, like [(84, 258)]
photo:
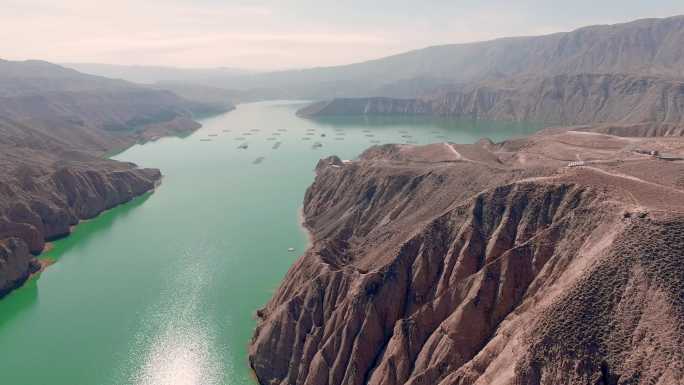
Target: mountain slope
[(650, 47), (646, 47), (481, 264), (90, 112)]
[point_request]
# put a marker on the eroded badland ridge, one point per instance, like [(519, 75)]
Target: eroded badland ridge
[(486, 263)]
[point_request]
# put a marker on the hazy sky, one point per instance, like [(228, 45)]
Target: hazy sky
[(273, 34)]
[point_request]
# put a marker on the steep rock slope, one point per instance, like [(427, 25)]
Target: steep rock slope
[(562, 99), (482, 264)]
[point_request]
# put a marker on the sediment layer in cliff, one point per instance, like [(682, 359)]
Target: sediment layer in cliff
[(486, 263)]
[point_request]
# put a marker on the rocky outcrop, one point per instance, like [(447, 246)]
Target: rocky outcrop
[(481, 264), (563, 99)]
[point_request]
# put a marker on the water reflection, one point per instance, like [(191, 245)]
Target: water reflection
[(177, 345)]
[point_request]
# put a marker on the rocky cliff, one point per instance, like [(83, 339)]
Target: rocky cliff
[(486, 264), (562, 99)]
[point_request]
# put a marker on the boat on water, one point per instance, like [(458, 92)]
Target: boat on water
[(291, 249), (258, 160), (212, 135), (243, 146), (317, 145), (205, 140)]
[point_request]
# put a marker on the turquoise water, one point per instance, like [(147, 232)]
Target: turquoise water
[(163, 290)]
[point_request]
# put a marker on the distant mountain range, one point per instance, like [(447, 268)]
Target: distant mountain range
[(651, 47), (560, 100), (158, 74)]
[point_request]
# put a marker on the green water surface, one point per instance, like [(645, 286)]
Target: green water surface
[(162, 290)]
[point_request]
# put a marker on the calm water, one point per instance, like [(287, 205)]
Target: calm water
[(162, 291)]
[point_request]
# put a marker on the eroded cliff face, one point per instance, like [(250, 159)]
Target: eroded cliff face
[(482, 264), (44, 196)]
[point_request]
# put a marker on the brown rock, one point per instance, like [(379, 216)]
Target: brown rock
[(505, 267)]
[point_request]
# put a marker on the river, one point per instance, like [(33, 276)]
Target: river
[(163, 290)]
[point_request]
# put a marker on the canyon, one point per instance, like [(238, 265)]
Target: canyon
[(550, 259)]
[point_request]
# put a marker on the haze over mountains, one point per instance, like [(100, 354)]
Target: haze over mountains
[(159, 74), (646, 47)]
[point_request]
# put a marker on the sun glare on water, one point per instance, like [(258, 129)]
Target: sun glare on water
[(180, 356), (180, 347)]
